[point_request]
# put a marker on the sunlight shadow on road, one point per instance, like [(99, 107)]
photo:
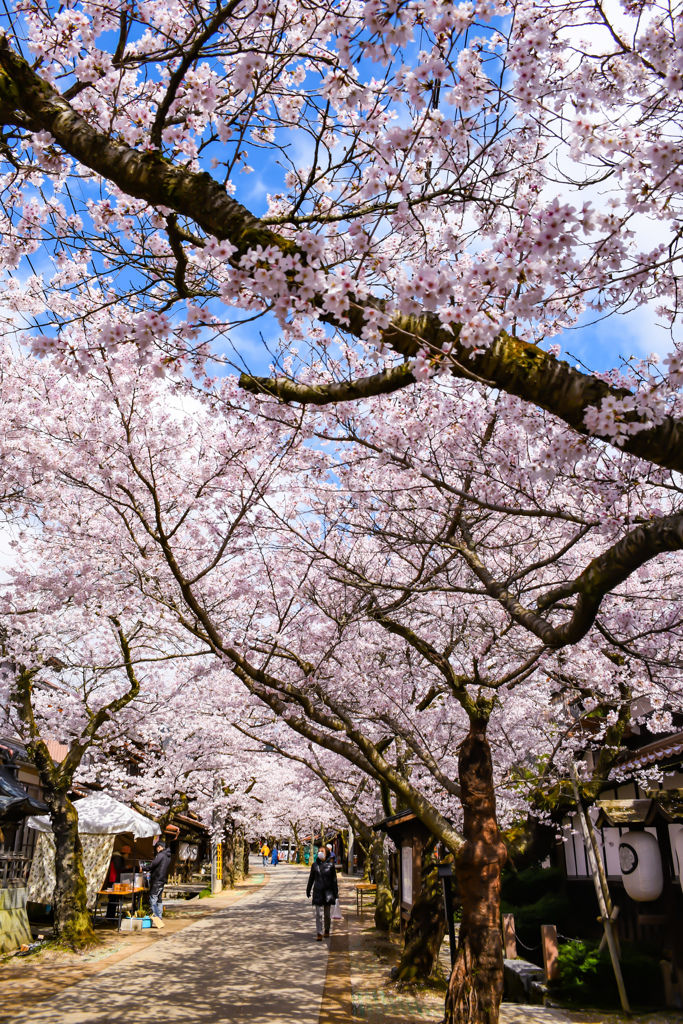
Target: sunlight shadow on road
[(255, 962)]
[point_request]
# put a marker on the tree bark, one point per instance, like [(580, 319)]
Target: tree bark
[(300, 852), (384, 907), (245, 855), (72, 922), (229, 855), (366, 861), (476, 985), (426, 926), (239, 854)]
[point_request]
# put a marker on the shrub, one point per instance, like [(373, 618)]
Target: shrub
[(587, 977)]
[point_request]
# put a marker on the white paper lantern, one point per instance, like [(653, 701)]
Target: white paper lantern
[(641, 866)]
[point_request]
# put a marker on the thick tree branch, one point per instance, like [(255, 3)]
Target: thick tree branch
[(514, 366), (599, 578), (36, 746), (24, 96), (384, 383)]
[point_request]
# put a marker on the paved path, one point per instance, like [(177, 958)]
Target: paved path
[(255, 962)]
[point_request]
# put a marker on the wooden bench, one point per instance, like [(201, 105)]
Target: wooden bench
[(363, 890)]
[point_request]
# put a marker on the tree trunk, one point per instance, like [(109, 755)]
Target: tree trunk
[(384, 908), (366, 861), (239, 854), (344, 835), (245, 855), (476, 984), (72, 921), (229, 855), (300, 853), (426, 927)]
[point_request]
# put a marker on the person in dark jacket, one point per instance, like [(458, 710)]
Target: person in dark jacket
[(157, 878), (322, 882)]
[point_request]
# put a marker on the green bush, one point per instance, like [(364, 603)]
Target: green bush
[(204, 893), (586, 977)]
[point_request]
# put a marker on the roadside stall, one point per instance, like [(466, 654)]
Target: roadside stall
[(106, 826), (189, 842)]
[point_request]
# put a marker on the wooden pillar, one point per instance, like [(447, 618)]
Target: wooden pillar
[(549, 939), (509, 936)]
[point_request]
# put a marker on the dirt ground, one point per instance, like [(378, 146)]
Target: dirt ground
[(26, 980)]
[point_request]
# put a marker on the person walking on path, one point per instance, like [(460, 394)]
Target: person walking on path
[(157, 878), (265, 853), (322, 882), (274, 858)]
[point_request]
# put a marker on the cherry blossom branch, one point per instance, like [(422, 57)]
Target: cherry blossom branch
[(515, 366), (603, 574), (186, 62), (423, 753), (384, 383), (29, 101)]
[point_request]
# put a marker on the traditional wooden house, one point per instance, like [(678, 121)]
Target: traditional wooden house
[(640, 837), (17, 841)]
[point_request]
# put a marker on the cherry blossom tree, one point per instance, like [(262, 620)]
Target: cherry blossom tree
[(74, 675), (487, 514), (358, 612), (448, 187)]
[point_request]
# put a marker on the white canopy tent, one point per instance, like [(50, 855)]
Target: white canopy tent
[(100, 819), (102, 815)]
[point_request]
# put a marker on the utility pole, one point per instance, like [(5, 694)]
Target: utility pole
[(216, 846)]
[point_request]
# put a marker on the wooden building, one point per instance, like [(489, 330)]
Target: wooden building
[(623, 810)]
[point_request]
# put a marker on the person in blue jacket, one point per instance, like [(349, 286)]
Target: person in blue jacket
[(274, 855)]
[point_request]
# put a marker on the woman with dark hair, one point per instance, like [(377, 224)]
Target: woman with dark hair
[(322, 882)]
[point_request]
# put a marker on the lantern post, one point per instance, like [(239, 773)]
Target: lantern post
[(604, 901), (446, 874)]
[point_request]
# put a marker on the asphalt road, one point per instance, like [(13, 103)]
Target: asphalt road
[(256, 961)]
